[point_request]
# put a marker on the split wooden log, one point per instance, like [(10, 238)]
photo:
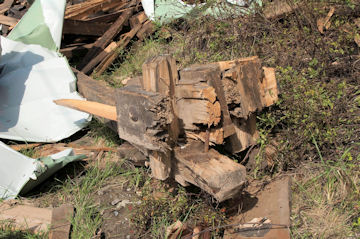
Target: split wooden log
[(213, 172)]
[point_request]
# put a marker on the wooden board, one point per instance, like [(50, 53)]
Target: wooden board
[(9, 21), (78, 27), (26, 217), (61, 222), (160, 164), (215, 173), (5, 6)]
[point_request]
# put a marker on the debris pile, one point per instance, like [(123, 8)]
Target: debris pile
[(173, 117), (96, 29)]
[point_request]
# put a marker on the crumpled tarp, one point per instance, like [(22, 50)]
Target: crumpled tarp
[(164, 11), (33, 74), (20, 174)]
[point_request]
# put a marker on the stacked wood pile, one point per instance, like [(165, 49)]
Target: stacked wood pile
[(173, 117), (97, 30)]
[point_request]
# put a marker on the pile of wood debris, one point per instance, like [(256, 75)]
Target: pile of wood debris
[(95, 29), (172, 116)]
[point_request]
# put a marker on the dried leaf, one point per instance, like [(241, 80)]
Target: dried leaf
[(325, 23)]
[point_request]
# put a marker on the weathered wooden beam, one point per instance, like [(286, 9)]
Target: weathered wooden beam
[(215, 173), (5, 6), (143, 117), (9, 21)]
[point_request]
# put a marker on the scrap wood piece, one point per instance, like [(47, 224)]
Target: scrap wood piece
[(107, 18), (108, 36), (195, 91), (61, 221), (6, 5), (216, 135), (137, 19), (192, 112), (19, 147), (143, 117), (269, 87), (147, 29), (108, 55), (213, 172), (82, 10), (160, 164), (78, 27), (9, 21), (94, 90), (25, 217), (273, 203), (91, 107), (245, 79), (159, 75), (246, 134)]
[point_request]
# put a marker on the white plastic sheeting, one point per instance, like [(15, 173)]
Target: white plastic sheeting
[(33, 75), (19, 173)]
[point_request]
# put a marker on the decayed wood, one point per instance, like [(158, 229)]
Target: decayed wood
[(9, 21), (91, 107), (61, 222), (246, 134), (159, 75), (108, 36), (79, 27), (147, 29), (137, 19), (269, 87), (94, 90), (110, 57), (195, 91), (106, 57), (107, 18), (160, 164), (242, 88), (196, 111), (215, 173), (5, 6), (216, 135), (82, 10), (143, 117)]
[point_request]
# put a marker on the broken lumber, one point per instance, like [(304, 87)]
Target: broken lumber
[(5, 6), (105, 39), (9, 21), (213, 172), (106, 57), (78, 27)]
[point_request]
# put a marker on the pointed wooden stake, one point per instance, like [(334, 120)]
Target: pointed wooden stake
[(95, 108)]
